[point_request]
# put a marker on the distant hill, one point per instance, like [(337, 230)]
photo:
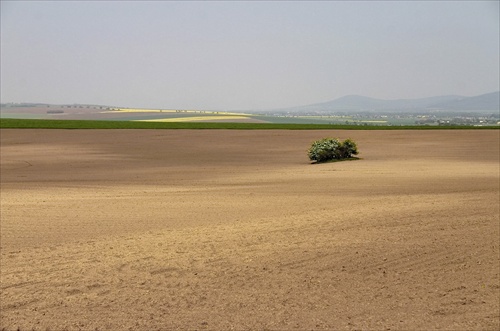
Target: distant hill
[(356, 103), (489, 101)]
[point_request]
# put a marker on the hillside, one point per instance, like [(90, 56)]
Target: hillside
[(486, 102), (489, 101)]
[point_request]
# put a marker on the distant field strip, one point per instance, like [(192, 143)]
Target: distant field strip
[(174, 123), (129, 110), (196, 118), (208, 113)]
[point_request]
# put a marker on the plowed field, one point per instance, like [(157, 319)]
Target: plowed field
[(223, 229)]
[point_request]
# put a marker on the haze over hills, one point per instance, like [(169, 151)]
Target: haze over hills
[(489, 102)]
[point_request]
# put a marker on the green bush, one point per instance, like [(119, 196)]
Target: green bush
[(348, 149), (328, 149)]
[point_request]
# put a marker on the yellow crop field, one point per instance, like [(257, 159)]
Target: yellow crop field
[(143, 110), (130, 110), (196, 118)]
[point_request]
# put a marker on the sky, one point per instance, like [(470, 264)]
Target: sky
[(245, 55)]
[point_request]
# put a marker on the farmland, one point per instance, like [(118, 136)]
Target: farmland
[(235, 229), (104, 113)]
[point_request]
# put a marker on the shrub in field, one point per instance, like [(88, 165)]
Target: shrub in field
[(328, 149), (324, 149), (348, 149)]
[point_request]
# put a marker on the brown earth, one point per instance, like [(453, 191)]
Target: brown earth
[(219, 230)]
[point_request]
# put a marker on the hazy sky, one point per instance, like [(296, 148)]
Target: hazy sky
[(232, 55)]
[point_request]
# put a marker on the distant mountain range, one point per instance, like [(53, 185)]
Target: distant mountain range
[(489, 102)]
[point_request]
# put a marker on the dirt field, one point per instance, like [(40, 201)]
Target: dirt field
[(220, 230)]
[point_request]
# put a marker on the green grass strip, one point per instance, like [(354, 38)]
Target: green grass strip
[(10, 123)]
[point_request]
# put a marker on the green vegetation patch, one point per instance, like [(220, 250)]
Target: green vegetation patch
[(12, 123), (332, 149)]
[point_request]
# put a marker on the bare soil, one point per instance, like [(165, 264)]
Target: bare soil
[(222, 229)]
